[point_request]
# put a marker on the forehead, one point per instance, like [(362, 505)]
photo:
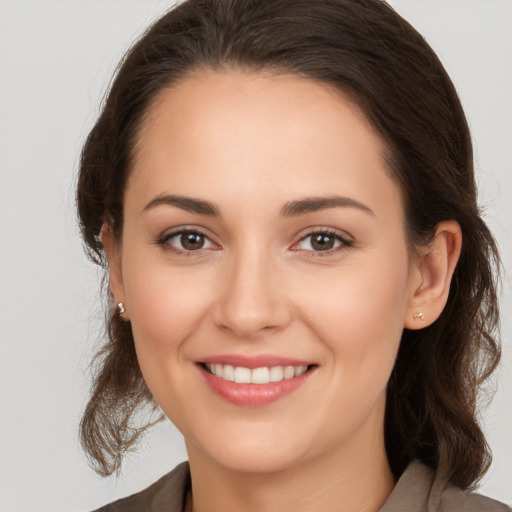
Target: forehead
[(257, 133)]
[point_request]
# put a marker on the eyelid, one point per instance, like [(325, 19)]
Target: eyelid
[(163, 240), (346, 240)]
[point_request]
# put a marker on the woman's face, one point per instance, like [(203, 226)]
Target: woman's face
[(262, 231)]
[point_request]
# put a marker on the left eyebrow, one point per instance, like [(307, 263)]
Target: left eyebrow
[(188, 204), (314, 204)]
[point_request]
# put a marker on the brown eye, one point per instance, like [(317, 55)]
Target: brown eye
[(322, 242), (186, 241), (192, 241)]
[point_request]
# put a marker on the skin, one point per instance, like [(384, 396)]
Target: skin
[(251, 143)]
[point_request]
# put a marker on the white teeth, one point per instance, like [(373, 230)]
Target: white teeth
[(228, 373), (260, 376), (263, 375), (276, 373), (242, 375), (300, 370), (289, 372)]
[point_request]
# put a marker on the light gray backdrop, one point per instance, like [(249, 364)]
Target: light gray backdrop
[(56, 58)]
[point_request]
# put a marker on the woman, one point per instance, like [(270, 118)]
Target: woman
[(284, 195)]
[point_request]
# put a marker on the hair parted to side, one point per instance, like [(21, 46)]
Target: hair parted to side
[(368, 52)]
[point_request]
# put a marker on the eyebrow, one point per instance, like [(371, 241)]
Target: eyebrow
[(290, 209), (314, 204), (188, 204)]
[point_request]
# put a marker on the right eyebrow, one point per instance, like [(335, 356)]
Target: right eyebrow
[(188, 204), (314, 204)]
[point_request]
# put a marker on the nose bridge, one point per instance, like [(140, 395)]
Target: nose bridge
[(252, 301)]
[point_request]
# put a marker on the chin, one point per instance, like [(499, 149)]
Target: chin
[(245, 453), (256, 461)]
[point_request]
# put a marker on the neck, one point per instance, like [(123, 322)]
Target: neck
[(345, 479)]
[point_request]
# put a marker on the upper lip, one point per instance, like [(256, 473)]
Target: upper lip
[(252, 362)]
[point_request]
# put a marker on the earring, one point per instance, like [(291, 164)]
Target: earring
[(120, 307), (418, 316)]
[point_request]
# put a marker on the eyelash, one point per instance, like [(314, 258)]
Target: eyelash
[(163, 242), (345, 243)]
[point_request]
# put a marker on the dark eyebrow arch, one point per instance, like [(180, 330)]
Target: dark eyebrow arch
[(314, 204), (290, 209), (188, 204)]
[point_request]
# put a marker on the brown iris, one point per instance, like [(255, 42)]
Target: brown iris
[(192, 241), (322, 242)]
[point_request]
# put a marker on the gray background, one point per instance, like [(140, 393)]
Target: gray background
[(56, 59)]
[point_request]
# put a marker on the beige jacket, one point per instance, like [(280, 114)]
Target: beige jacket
[(417, 490)]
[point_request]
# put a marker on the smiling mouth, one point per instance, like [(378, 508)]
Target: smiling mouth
[(263, 375)]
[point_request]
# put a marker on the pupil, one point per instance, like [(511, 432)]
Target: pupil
[(322, 242), (192, 241)]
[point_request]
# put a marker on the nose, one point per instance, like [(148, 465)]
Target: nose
[(252, 301)]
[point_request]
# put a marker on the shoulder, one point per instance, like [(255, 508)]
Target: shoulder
[(419, 489), (453, 499), (168, 493)]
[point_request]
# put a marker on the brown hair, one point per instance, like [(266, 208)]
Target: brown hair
[(367, 51)]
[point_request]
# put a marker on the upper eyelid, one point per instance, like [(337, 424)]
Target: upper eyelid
[(186, 229), (164, 239), (324, 229), (342, 235), (345, 242)]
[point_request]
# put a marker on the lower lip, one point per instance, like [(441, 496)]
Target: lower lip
[(253, 395)]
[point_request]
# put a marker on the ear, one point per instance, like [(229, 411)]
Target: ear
[(113, 254), (434, 269)]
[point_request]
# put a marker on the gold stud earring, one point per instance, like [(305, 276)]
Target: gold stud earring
[(418, 316), (120, 307)]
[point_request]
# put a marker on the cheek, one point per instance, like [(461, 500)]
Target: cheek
[(358, 312), (166, 307), (166, 304)]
